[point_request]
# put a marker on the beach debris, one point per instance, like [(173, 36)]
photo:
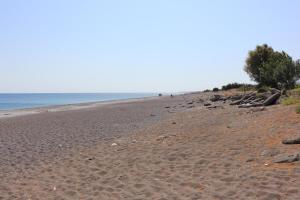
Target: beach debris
[(114, 144), (287, 158), (295, 140)]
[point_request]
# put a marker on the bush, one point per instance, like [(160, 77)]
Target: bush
[(215, 89), (271, 68), (240, 86), (231, 86)]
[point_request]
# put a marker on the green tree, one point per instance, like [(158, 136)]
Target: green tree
[(256, 60), (271, 68)]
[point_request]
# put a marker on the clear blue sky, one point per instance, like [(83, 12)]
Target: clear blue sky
[(137, 46)]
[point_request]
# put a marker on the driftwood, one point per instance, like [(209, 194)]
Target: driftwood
[(272, 99), (243, 99), (251, 99)]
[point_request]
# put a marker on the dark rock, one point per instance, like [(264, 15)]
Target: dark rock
[(167, 107), (215, 106), (215, 98), (250, 160), (173, 122), (286, 158), (207, 104), (291, 141), (190, 102), (211, 107)]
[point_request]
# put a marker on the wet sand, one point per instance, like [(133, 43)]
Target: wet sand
[(166, 148)]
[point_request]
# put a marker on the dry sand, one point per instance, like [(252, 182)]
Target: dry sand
[(158, 149)]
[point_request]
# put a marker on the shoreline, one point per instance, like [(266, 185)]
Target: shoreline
[(66, 107)]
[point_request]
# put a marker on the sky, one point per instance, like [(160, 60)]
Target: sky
[(137, 45)]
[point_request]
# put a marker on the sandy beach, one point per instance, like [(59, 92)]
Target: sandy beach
[(159, 148)]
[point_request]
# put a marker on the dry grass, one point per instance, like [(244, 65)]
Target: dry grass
[(290, 101), (298, 109)]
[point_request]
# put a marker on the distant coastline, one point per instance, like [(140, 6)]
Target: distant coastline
[(15, 101)]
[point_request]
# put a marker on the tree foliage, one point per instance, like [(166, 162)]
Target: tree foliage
[(272, 68)]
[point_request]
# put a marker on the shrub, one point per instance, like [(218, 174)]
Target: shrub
[(240, 86), (231, 86), (215, 89)]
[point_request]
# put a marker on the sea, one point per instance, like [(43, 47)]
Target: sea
[(12, 101)]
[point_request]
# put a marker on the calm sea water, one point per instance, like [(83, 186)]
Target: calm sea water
[(19, 101)]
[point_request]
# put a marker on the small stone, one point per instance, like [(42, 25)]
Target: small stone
[(269, 152), (114, 144), (207, 104), (250, 160), (286, 158), (173, 122)]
